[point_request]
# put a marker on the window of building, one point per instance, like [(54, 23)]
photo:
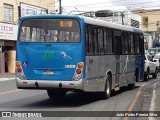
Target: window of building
[(8, 13)]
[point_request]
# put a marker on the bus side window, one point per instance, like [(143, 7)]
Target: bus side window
[(89, 40), (117, 42), (105, 41), (141, 47), (95, 41), (132, 44), (100, 41), (110, 42), (129, 43), (137, 43), (125, 43)]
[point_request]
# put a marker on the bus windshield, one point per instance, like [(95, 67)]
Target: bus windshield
[(50, 30)]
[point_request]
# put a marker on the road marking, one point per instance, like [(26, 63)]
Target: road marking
[(10, 91), (130, 109), (152, 106)]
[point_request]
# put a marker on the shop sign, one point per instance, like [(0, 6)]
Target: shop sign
[(27, 10), (8, 31)]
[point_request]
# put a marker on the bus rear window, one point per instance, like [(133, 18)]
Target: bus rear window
[(49, 30)]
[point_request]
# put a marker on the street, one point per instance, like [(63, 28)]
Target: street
[(13, 99)]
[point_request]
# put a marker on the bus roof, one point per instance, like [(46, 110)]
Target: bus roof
[(111, 25), (88, 20)]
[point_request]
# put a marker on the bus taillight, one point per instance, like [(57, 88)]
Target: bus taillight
[(19, 69), (18, 64), (80, 65), (78, 71)]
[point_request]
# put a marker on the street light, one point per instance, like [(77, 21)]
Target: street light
[(60, 7)]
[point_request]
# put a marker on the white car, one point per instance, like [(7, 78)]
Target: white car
[(156, 59), (150, 67)]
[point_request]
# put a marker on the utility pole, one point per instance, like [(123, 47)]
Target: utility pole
[(157, 31), (60, 7), (122, 15)]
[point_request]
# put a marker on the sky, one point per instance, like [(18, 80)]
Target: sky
[(79, 6)]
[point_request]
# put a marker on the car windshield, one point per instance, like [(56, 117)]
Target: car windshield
[(152, 51), (157, 57)]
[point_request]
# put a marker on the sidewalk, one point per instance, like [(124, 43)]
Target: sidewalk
[(7, 76)]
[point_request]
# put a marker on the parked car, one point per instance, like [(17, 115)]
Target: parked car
[(150, 67), (156, 59), (154, 51)]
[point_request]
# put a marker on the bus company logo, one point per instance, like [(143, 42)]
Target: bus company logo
[(64, 54), (48, 55), (6, 114)]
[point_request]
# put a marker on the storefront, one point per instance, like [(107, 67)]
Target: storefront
[(8, 37)]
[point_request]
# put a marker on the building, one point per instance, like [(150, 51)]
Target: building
[(10, 11), (150, 24)]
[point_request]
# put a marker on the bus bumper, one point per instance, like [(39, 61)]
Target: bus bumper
[(46, 84)]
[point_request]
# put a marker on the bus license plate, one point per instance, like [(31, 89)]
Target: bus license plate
[(48, 72)]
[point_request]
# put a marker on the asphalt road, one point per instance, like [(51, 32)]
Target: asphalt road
[(13, 99)]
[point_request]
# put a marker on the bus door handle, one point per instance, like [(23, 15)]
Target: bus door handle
[(119, 61)]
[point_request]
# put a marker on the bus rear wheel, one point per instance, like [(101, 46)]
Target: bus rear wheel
[(107, 91), (131, 86), (57, 94)]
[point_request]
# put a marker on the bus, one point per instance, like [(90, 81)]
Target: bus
[(61, 53)]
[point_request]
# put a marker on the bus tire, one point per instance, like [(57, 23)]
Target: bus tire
[(131, 86), (107, 91), (56, 94)]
